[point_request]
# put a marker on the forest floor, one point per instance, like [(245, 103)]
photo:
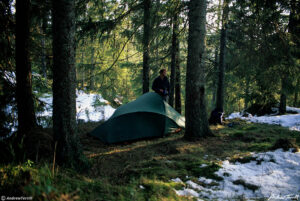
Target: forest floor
[(168, 168)]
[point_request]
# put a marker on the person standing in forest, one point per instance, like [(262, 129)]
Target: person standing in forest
[(161, 85)]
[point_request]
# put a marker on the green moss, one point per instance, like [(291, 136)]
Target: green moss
[(208, 171), (245, 137)]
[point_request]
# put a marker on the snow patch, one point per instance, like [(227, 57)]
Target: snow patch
[(292, 109), (203, 165), (277, 176), (187, 192), (86, 110), (292, 121), (234, 115), (10, 76), (177, 180)]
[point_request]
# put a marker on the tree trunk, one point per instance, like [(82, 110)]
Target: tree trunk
[(146, 43), (296, 93), (295, 99), (247, 92), (174, 52), (43, 59), (195, 107), (92, 69), (68, 150), (26, 115), (177, 80), (215, 77), (221, 73), (82, 69), (282, 104), (177, 68), (216, 62)]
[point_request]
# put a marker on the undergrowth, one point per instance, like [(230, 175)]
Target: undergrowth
[(141, 170)]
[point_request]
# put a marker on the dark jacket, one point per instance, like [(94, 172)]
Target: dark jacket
[(163, 84)]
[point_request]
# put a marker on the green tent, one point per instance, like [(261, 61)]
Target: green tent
[(147, 116)]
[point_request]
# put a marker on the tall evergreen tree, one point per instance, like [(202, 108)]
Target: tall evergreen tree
[(26, 114), (175, 89), (177, 77), (146, 48), (195, 107), (64, 84), (222, 62), (291, 48), (174, 52)]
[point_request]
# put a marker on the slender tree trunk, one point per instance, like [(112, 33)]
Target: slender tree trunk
[(92, 69), (295, 99), (82, 69), (296, 93), (177, 80), (215, 78), (174, 52), (156, 52), (195, 107), (177, 68), (282, 104), (247, 92), (146, 42), (68, 150), (221, 73), (26, 115), (216, 62), (43, 59)]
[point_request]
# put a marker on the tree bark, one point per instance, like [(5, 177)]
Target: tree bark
[(195, 107), (25, 105), (296, 93), (221, 73), (43, 58), (92, 69), (177, 80), (146, 43), (282, 104), (215, 77), (247, 93), (216, 61), (295, 99), (177, 67), (68, 150), (82, 69), (174, 52)]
